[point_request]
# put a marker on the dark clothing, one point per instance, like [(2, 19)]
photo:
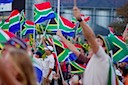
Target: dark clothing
[(82, 59)]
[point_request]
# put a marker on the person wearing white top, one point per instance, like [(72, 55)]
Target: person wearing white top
[(97, 70), (49, 63), (38, 63)]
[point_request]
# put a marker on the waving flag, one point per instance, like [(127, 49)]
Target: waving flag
[(112, 77), (76, 67), (64, 54), (4, 36), (120, 51), (38, 72), (5, 26), (40, 28), (1, 23), (6, 1), (66, 26), (14, 21), (22, 17), (77, 26), (42, 12), (29, 27)]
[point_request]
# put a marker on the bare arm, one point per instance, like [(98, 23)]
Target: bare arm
[(81, 57), (43, 41), (87, 31), (69, 44), (50, 70), (125, 34)]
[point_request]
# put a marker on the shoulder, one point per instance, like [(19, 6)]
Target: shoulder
[(51, 57), (101, 52)]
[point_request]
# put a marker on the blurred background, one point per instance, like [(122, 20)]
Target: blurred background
[(103, 13)]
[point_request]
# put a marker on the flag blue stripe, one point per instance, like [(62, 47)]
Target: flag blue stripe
[(42, 19), (14, 28), (29, 31)]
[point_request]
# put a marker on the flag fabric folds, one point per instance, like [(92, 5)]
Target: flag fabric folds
[(112, 77), (29, 27), (1, 23), (78, 28), (38, 71), (42, 12), (5, 25), (5, 35), (65, 26), (22, 17), (14, 21), (76, 68), (120, 49)]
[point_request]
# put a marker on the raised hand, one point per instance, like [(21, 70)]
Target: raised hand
[(59, 33), (76, 12)]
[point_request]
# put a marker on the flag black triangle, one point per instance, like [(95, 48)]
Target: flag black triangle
[(53, 21), (115, 49), (59, 49)]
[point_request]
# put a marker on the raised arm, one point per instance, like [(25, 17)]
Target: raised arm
[(87, 31), (69, 44), (80, 56), (43, 41), (125, 34)]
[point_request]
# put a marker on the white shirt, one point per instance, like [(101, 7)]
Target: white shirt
[(49, 62), (96, 72), (38, 62)]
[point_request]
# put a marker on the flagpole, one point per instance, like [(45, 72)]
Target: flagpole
[(74, 2), (44, 31), (76, 27), (58, 25), (21, 31), (34, 34), (58, 62), (58, 12)]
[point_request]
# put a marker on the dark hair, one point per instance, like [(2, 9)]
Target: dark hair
[(125, 70)]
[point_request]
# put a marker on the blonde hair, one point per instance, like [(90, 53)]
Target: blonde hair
[(23, 65)]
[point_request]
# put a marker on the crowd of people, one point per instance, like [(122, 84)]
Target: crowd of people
[(16, 66)]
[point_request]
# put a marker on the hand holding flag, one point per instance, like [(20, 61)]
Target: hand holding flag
[(125, 34)]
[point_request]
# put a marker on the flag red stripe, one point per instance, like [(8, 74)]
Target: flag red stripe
[(67, 22), (87, 19), (14, 13), (29, 22), (11, 35), (43, 6)]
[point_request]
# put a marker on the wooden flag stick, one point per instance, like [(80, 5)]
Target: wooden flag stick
[(58, 12), (74, 2)]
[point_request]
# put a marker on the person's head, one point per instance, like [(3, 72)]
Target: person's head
[(20, 66), (104, 42), (38, 54), (82, 51), (48, 50), (14, 42), (125, 71)]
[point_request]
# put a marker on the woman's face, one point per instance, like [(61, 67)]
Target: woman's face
[(10, 64), (5, 49)]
